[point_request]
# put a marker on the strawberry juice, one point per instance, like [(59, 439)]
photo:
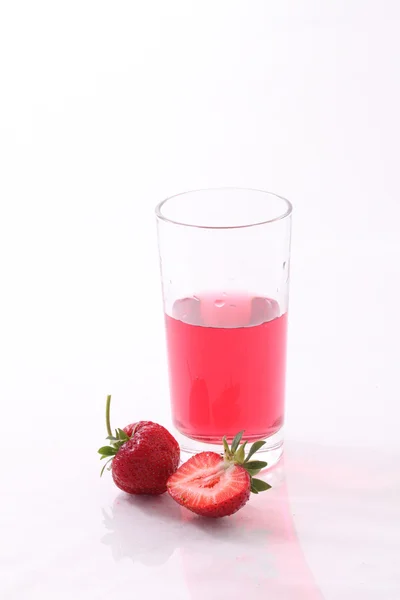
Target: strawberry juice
[(227, 357)]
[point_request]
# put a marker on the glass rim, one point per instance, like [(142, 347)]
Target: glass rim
[(286, 213)]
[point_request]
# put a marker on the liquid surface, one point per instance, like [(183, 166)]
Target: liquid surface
[(227, 360)]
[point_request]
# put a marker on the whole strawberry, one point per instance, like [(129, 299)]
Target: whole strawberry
[(213, 485), (142, 456)]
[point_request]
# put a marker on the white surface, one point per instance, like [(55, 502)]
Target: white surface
[(329, 528), (104, 110)]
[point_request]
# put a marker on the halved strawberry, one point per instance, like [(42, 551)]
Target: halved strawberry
[(213, 485)]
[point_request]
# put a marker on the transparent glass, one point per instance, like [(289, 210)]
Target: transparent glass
[(224, 256)]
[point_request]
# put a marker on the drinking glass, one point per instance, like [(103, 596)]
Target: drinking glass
[(224, 256)]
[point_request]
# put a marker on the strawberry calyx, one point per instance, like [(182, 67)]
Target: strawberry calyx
[(235, 454), (115, 440)]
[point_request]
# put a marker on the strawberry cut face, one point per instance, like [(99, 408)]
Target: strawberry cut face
[(209, 486)]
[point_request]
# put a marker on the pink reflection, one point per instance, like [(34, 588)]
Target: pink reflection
[(255, 553)]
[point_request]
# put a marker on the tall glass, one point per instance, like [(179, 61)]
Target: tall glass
[(224, 256)]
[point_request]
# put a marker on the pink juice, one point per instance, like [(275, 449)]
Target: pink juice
[(227, 359)]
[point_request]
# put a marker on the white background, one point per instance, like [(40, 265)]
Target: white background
[(105, 109)]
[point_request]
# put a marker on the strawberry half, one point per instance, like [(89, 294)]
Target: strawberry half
[(141, 456), (213, 485)]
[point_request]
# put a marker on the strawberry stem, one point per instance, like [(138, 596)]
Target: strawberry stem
[(108, 424), (114, 441)]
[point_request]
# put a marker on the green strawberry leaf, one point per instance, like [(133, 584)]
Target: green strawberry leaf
[(253, 488), (252, 471), (259, 485), (107, 451), (254, 448), (122, 435), (236, 441), (226, 446), (255, 464), (239, 454)]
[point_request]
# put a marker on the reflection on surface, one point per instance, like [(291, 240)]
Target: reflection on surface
[(255, 551), (330, 521), (143, 528)]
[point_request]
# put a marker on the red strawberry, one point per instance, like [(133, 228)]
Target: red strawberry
[(213, 485), (142, 455)]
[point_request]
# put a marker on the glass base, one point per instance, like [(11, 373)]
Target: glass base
[(271, 452)]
